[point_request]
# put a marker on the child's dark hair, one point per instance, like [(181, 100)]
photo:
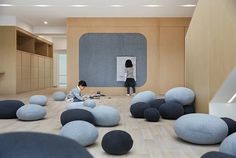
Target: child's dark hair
[(82, 83), (128, 63)]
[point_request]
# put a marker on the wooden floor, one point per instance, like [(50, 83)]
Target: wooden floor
[(151, 140)]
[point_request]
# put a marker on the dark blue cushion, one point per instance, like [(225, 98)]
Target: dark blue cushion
[(156, 103), (151, 115), (77, 114), (216, 154), (8, 108), (231, 125), (117, 142), (39, 145), (171, 110), (137, 109)]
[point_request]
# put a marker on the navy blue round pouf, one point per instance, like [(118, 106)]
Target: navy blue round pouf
[(8, 108), (231, 125), (156, 103), (137, 109), (151, 115), (39, 145), (216, 154), (77, 114), (117, 142), (188, 109), (171, 110)]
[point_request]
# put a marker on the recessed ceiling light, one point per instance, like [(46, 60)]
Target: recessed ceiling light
[(152, 5), (45, 22), (188, 5), (6, 5), (41, 5), (117, 5), (79, 5)]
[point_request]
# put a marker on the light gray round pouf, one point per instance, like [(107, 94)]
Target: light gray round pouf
[(81, 131), (90, 103), (106, 116), (31, 112), (180, 95), (59, 96), (145, 96), (228, 145), (38, 99), (201, 128)]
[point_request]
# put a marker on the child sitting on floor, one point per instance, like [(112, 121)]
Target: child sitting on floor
[(75, 94)]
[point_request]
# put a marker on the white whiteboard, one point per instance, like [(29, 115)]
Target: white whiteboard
[(120, 67)]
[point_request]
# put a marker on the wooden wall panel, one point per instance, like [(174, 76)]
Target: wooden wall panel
[(41, 72), (25, 71), (171, 58), (47, 72), (34, 72), (18, 72)]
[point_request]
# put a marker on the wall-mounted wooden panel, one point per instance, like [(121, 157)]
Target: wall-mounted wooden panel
[(41, 72), (18, 71), (47, 72), (34, 84), (171, 57)]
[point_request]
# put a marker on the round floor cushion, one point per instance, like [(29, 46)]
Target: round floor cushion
[(8, 108), (106, 116), (31, 112), (145, 96), (171, 110), (81, 131), (156, 103), (231, 125), (228, 145), (38, 99), (151, 115), (182, 95), (117, 142), (90, 103), (59, 96), (201, 128), (39, 145), (76, 114), (137, 109), (216, 154)]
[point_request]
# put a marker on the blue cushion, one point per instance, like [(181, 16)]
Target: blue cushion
[(137, 109), (106, 116), (171, 110), (228, 146), (90, 103), (117, 142), (182, 95), (31, 112), (82, 132), (201, 128), (8, 108), (38, 99), (145, 96), (215, 154), (59, 96), (39, 145), (152, 115)]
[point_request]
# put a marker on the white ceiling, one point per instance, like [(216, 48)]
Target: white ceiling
[(58, 10)]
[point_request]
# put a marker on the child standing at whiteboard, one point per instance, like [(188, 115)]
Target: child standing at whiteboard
[(130, 82)]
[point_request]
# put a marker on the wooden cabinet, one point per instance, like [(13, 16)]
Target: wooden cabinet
[(26, 60)]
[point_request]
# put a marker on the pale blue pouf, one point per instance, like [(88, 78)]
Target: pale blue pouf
[(38, 99), (201, 128), (145, 96), (90, 103), (182, 95), (81, 131), (78, 105), (106, 116), (59, 96), (31, 112), (228, 146)]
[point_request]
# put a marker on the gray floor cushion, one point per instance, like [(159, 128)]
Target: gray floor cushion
[(39, 145), (90, 103), (145, 96), (216, 154), (137, 109), (152, 115), (38, 99), (106, 116), (182, 95), (31, 112), (201, 128), (8, 108), (171, 110), (228, 146), (82, 132), (59, 96)]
